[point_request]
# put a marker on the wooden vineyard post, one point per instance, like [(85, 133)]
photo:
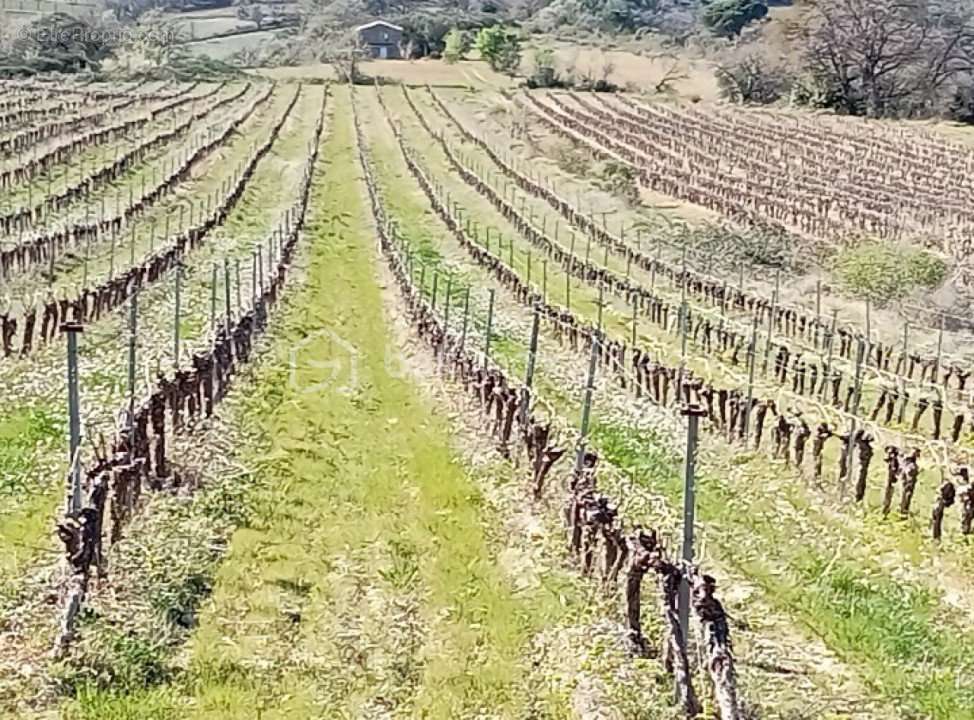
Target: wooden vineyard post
[(544, 280), (940, 348), (532, 352), (446, 309), (587, 404), (239, 299), (869, 334), (175, 345), (436, 278), (226, 292), (635, 323), (111, 262), (466, 318), (529, 370), (818, 310), (828, 361), (50, 268), (253, 279), (693, 414), (133, 339), (72, 330), (856, 389), (601, 304), (213, 279), (774, 308), (751, 348), (568, 291), (490, 325), (684, 312), (529, 269), (906, 338)]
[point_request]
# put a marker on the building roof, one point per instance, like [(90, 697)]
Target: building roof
[(378, 23)]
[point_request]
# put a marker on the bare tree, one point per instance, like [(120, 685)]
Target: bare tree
[(886, 57), (673, 73), (752, 75)]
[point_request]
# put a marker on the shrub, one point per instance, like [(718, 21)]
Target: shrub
[(544, 74), (500, 47), (620, 179), (885, 273), (572, 160)]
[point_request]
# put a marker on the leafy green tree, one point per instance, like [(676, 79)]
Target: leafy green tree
[(456, 45), (500, 47), (727, 18)]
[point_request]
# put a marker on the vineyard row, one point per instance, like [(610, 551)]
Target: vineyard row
[(104, 501)]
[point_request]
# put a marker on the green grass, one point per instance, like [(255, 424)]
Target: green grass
[(26, 495), (21, 433)]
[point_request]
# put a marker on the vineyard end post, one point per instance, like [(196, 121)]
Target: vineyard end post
[(693, 414), (72, 330)]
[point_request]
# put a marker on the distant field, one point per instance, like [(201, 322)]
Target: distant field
[(470, 73), (634, 70), (224, 47)]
